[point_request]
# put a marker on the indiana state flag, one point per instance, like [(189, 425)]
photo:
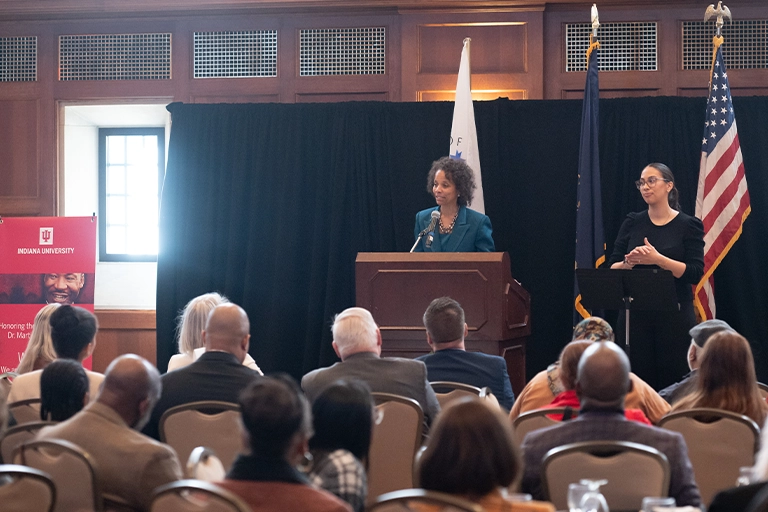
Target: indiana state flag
[(463, 131), (590, 240)]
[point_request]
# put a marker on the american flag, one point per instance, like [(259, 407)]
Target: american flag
[(722, 199)]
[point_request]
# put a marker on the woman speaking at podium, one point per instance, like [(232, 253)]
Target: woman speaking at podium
[(451, 226), (661, 237)]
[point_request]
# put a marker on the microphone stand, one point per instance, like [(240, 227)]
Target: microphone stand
[(421, 235)]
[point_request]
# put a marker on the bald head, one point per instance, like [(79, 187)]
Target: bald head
[(603, 376), (228, 330), (131, 387)]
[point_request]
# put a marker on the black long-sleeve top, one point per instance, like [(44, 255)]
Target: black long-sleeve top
[(681, 239)]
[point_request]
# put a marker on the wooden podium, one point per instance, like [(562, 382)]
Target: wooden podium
[(397, 288)]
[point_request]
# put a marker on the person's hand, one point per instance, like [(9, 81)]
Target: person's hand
[(645, 254)]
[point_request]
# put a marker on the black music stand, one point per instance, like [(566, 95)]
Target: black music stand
[(638, 289)]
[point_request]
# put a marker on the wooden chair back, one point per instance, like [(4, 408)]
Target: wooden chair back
[(719, 443), (25, 411), (72, 470), (19, 434), (415, 500), (28, 489), (537, 419), (196, 496), (395, 440), (633, 471), (206, 423)]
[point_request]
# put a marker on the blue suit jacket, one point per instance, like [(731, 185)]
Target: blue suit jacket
[(594, 425), (472, 233), (473, 368)]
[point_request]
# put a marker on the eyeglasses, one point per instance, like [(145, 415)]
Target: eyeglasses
[(651, 182)]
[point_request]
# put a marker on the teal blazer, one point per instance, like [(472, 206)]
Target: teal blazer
[(471, 233)]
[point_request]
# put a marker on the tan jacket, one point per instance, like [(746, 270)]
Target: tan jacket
[(130, 465)]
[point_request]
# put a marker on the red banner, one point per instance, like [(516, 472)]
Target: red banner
[(43, 260)]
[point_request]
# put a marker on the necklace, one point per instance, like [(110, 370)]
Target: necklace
[(449, 229), (670, 215)]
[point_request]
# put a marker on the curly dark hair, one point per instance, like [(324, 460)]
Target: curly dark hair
[(459, 173)]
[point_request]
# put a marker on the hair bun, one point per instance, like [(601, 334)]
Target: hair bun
[(64, 318)]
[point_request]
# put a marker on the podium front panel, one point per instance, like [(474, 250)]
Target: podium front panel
[(417, 288), (397, 288)]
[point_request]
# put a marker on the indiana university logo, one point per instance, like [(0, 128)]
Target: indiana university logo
[(46, 236)]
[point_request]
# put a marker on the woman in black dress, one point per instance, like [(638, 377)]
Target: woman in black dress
[(661, 237)]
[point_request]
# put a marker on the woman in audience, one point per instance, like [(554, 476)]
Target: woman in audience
[(342, 418), (277, 426), (39, 350), (191, 325), (73, 333), (727, 379), (569, 366), (470, 453), (63, 390)]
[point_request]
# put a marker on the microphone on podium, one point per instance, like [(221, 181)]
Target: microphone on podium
[(431, 228)]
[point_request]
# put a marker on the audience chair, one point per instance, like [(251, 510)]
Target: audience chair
[(18, 435), (5, 384), (537, 419), (195, 496), (404, 501), (203, 464), (207, 423), (72, 470), (719, 443), (26, 489), (395, 440), (633, 471), (763, 388), (447, 392), (25, 411)]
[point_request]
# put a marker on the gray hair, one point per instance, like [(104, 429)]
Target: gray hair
[(354, 330)]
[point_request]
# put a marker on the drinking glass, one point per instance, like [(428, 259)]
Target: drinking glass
[(746, 474), (576, 493)]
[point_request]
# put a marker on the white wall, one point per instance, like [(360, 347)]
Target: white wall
[(129, 285)]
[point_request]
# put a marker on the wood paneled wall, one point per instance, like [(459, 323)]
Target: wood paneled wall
[(124, 332)]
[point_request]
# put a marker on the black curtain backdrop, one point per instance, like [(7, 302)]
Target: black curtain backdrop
[(270, 203)]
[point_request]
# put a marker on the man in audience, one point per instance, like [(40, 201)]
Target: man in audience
[(700, 333), (277, 426), (602, 385), (545, 385), (446, 329), (218, 374), (357, 341), (130, 465)]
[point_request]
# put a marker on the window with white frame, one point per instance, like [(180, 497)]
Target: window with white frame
[(131, 169)]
